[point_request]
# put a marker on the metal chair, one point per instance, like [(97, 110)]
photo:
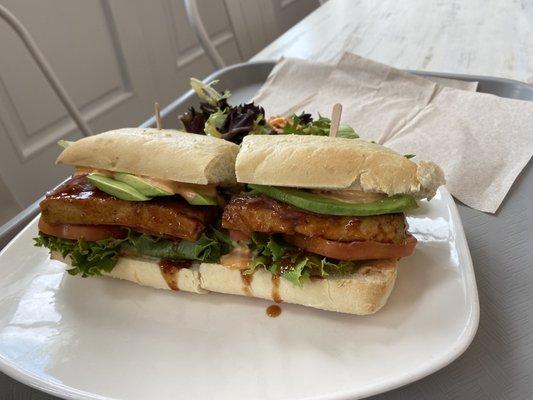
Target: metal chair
[(10, 228), (46, 69), (191, 8)]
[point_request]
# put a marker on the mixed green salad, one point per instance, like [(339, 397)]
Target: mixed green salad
[(216, 117)]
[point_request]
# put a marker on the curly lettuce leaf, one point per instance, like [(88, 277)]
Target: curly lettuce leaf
[(215, 122), (304, 124), (94, 258), (206, 248), (299, 273), (88, 258), (217, 118), (242, 120), (292, 263), (207, 92), (193, 121)]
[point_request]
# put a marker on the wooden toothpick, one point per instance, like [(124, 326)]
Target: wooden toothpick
[(335, 119), (157, 116)]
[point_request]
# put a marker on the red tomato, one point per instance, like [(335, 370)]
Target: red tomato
[(89, 233), (238, 236), (356, 250)]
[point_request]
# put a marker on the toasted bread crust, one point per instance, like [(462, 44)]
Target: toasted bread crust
[(148, 272), (325, 162), (362, 293), (163, 154)]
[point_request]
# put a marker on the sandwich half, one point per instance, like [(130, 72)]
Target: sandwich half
[(141, 205), (321, 223)]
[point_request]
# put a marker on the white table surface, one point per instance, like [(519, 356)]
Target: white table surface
[(477, 37), (483, 37)]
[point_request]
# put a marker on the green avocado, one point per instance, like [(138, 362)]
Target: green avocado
[(141, 185), (324, 205), (115, 188), (202, 200)]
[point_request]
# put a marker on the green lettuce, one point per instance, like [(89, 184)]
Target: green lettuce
[(207, 92), (94, 258), (88, 258), (304, 124), (292, 263), (215, 122)]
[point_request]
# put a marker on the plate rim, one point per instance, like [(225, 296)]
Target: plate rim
[(463, 342)]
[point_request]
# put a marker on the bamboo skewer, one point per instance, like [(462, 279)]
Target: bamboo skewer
[(335, 119), (157, 113)]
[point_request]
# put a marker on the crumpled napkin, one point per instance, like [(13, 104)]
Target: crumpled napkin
[(481, 141)]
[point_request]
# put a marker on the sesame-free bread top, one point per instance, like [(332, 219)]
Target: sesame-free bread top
[(332, 163), (163, 154)]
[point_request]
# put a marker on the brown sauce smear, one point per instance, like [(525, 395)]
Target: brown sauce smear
[(76, 187), (275, 289), (169, 270), (273, 311), (247, 282), (285, 210)]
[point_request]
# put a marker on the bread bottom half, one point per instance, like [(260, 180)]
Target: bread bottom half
[(362, 293)]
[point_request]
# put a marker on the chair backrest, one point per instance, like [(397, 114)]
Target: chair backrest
[(45, 68), (10, 228), (191, 7)]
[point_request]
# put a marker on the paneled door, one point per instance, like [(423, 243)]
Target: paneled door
[(115, 59)]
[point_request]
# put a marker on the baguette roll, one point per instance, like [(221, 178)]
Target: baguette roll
[(362, 293), (148, 272), (324, 162), (163, 154)]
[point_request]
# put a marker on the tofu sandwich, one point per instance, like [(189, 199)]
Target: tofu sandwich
[(142, 205), (311, 220), (322, 223)]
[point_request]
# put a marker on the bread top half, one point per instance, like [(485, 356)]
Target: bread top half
[(163, 154), (324, 162)]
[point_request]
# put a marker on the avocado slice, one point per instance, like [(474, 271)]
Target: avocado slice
[(141, 185), (202, 200), (115, 188), (324, 205)]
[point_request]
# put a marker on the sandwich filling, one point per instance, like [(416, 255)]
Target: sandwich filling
[(94, 228), (298, 244)]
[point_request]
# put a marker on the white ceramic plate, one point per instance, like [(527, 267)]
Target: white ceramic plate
[(99, 338)]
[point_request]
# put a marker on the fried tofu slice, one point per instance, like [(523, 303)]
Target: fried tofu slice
[(77, 201), (261, 214)]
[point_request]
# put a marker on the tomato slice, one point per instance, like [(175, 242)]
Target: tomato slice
[(352, 251), (238, 236), (89, 233)]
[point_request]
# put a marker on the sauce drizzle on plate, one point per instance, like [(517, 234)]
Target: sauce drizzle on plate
[(273, 311)]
